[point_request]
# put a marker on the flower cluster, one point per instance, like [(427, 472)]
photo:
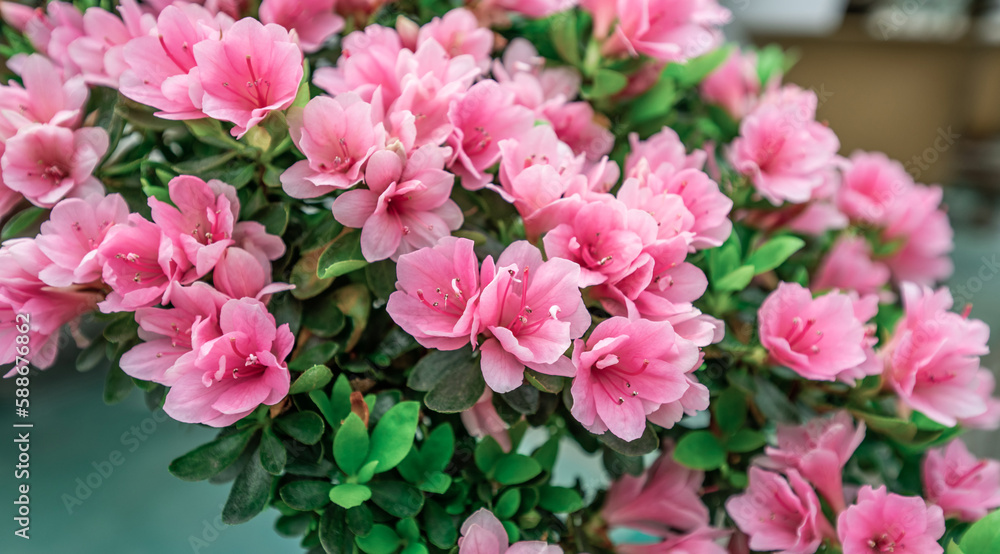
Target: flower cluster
[(407, 257)]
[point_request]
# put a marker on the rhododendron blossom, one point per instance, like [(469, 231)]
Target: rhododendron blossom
[(72, 235), (313, 21), (734, 85), (626, 370), (886, 522), (482, 533), (201, 219), (47, 163), (959, 483), (850, 266), (780, 515), (45, 97), (667, 31)]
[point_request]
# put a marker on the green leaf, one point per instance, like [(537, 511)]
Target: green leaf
[(560, 500), (773, 253), (381, 540), (547, 453), (565, 36), (367, 471), (294, 525), (736, 280), (397, 498), (305, 427), (488, 452), (334, 535), (306, 495), (433, 367), (359, 520), (607, 82), (700, 450), (313, 378), (545, 383), (983, 537), (440, 527), (274, 217), (92, 356), (325, 319), (22, 222), (524, 399), (695, 70), (209, 459), (349, 495), (437, 483), (731, 410), (350, 445), (249, 494), (272, 452), (953, 548), (117, 385), (639, 447), (514, 469), (893, 427), (745, 440), (393, 435), (317, 355), (342, 256), (381, 277), (438, 448), (508, 503), (306, 280), (458, 390)]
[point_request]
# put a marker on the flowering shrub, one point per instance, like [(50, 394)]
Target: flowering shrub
[(414, 260)]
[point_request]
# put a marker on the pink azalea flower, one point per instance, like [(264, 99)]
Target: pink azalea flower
[(161, 67), (45, 98), (140, 264), (849, 266), (522, 71), (367, 62), (819, 451), (959, 483), (873, 185), (780, 515), (253, 237), (46, 308), (662, 149), (229, 376), (313, 21), (532, 311), (406, 206), (783, 149), (699, 541), (437, 294), (47, 163), (459, 33), (337, 136), (662, 500), (169, 333), (817, 338), (885, 522), (579, 126), (482, 533), (201, 224), (253, 70), (483, 420), (53, 30), (666, 31), (984, 388), (240, 274), (71, 236), (923, 227), (734, 85), (99, 53), (626, 370), (482, 118), (17, 15), (932, 359)]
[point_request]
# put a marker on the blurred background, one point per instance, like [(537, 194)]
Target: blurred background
[(917, 79)]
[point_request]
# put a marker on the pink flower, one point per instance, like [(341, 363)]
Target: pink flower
[(52, 31), (932, 359), (626, 370), (482, 533), (734, 85), (47, 163), (522, 71), (406, 206), (783, 149), (253, 70), (817, 338), (819, 451), (45, 98), (240, 274), (169, 333), (532, 311), (141, 263), (483, 420), (885, 522), (459, 33), (229, 376), (959, 483), (984, 388), (662, 500), (312, 20), (873, 185), (780, 515), (337, 136), (699, 541), (667, 31), (201, 224), (368, 62), (46, 309), (918, 221), (160, 67), (583, 129), (99, 53), (437, 294), (71, 236), (482, 118), (662, 149), (17, 15), (849, 266)]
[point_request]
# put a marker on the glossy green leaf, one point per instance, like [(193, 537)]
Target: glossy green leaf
[(349, 495), (209, 459), (351, 445), (249, 494), (730, 410), (334, 536), (508, 503), (983, 537), (773, 253), (272, 452), (311, 379), (397, 498), (381, 540), (514, 469), (560, 500), (700, 450), (745, 440), (305, 427), (393, 435), (306, 495), (342, 256)]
